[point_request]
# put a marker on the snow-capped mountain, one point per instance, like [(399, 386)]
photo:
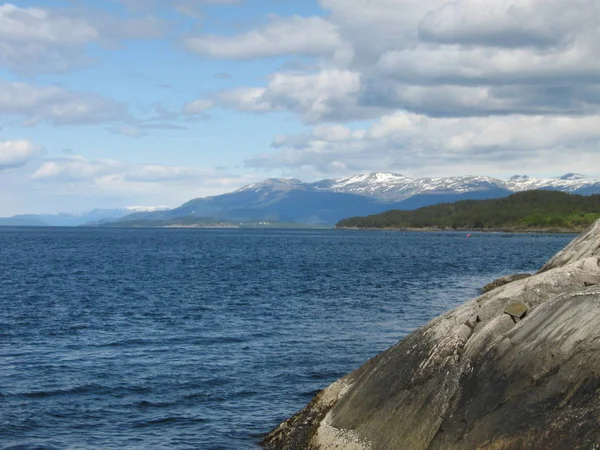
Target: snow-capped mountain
[(393, 187), (274, 184), (570, 182), (327, 201), (131, 209), (396, 187)]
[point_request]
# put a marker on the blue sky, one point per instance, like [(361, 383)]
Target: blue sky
[(125, 102)]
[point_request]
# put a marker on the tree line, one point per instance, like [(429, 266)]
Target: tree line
[(524, 210)]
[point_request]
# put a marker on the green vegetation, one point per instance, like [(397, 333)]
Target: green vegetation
[(529, 210)]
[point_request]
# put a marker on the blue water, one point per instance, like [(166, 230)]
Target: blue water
[(205, 339)]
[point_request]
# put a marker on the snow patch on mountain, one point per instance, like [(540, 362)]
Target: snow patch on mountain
[(146, 208), (280, 184), (394, 187)]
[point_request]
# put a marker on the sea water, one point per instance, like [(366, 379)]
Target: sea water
[(206, 339)]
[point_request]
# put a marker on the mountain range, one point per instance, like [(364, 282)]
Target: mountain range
[(327, 201), (95, 216)]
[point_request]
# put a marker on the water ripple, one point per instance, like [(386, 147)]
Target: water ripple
[(205, 339)]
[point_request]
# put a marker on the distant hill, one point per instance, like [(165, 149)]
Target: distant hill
[(276, 202), (293, 201), (73, 220), (544, 209), (22, 221), (325, 202)]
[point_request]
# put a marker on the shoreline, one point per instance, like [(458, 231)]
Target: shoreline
[(503, 360), (474, 230)]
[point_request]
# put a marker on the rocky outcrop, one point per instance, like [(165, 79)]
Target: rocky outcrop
[(477, 376), (504, 280), (585, 246)]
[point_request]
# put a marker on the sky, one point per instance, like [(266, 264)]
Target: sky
[(114, 103)]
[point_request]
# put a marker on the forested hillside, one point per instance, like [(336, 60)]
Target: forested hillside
[(524, 210)]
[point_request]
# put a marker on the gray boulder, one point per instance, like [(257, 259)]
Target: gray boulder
[(586, 245), (478, 377)]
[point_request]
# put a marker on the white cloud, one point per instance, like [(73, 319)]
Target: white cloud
[(442, 58), (246, 99), (76, 183), (417, 143), (79, 169), (39, 39), (508, 23), (282, 36), (15, 154), (36, 38), (56, 105), (325, 95), (198, 106)]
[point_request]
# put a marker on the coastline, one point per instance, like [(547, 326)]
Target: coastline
[(491, 373), (475, 230)]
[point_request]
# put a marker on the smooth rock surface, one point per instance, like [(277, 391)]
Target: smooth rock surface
[(586, 245), (504, 280), (472, 378)]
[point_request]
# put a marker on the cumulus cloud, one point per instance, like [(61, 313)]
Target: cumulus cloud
[(467, 83), (15, 154), (56, 105), (79, 169), (413, 142), (326, 95), (39, 39), (441, 58), (508, 24), (36, 38), (282, 36)]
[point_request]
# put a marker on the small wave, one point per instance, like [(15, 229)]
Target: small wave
[(126, 342), (96, 389), (221, 340), (85, 389), (203, 397), (32, 447), (147, 405), (170, 421), (245, 394)]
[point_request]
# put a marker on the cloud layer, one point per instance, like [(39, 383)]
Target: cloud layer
[(39, 40), (486, 80), (461, 58), (56, 105), (421, 144), (282, 36)]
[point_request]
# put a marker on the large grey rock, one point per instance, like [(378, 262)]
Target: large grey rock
[(473, 378), (586, 245)]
